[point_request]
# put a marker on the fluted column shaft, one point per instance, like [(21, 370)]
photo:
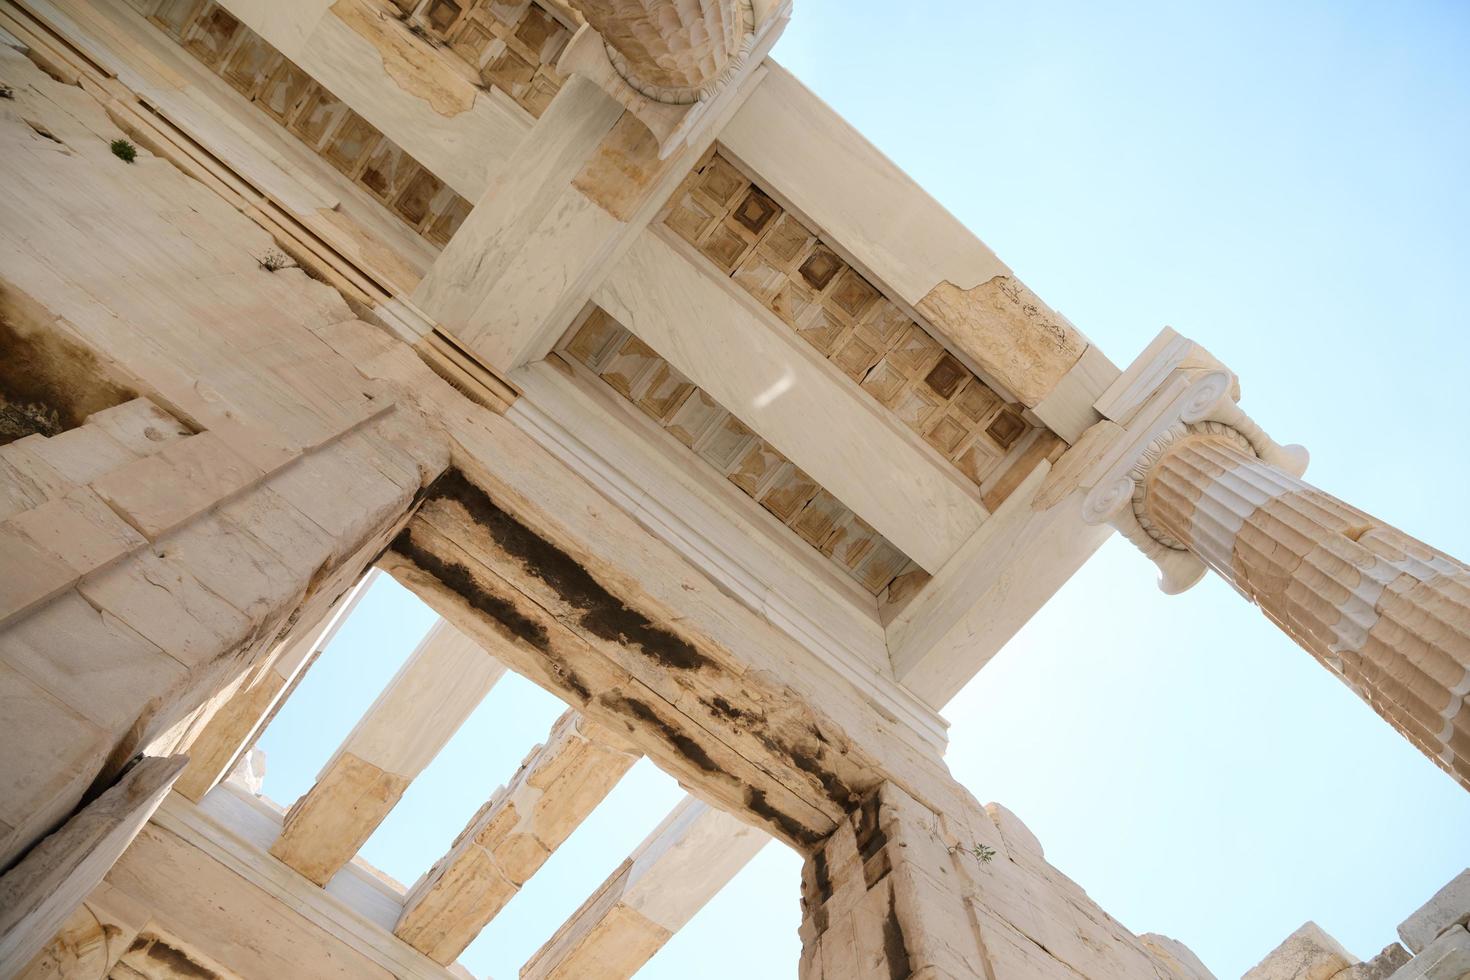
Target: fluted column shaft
[(1388, 613), (671, 49)]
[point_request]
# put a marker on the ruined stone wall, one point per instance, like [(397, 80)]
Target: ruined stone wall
[(208, 472), (902, 891)]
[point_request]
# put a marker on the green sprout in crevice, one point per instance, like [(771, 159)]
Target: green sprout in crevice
[(124, 151)]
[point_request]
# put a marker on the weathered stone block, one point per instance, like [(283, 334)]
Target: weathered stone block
[(48, 756), (83, 454), (31, 574), (1380, 967), (1449, 907), (79, 529), (1017, 835), (23, 457), (1447, 958), (1307, 954), (139, 426), (163, 602), (90, 660)]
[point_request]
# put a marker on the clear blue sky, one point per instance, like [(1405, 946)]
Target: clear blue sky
[(1284, 182)]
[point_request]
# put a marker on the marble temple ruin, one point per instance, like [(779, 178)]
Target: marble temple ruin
[(592, 327)]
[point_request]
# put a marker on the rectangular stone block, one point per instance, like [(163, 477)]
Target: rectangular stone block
[(24, 459), (1449, 907), (79, 529), (1447, 958), (160, 492), (90, 661), (139, 426), (48, 756), (228, 561), (31, 574), (17, 492), (163, 602), (83, 454)]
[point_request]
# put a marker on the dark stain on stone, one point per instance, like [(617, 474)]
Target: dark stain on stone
[(793, 829), (824, 879), (730, 712), (838, 792), (458, 578), (48, 382), (682, 743), (176, 962), (894, 950), (599, 611)]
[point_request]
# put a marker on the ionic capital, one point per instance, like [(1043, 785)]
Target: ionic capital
[(1188, 395), (673, 63)]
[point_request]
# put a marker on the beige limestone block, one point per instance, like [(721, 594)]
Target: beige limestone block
[(341, 492), (23, 459), (679, 867), (49, 754), (1449, 907), (160, 492), (91, 661), (32, 575), (512, 835), (1010, 334), (1017, 835), (1447, 958), (1180, 961), (39, 894), (17, 492), (140, 427), (83, 454), (1381, 967), (324, 825), (227, 560), (295, 541), (1307, 954), (79, 529), (160, 599)]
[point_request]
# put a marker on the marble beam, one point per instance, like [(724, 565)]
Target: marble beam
[(512, 835), (437, 688), (688, 858)]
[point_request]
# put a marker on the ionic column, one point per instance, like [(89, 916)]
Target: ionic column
[(1199, 485), (1388, 613)]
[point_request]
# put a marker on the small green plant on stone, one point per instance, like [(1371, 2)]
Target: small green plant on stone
[(983, 853), (124, 151)]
